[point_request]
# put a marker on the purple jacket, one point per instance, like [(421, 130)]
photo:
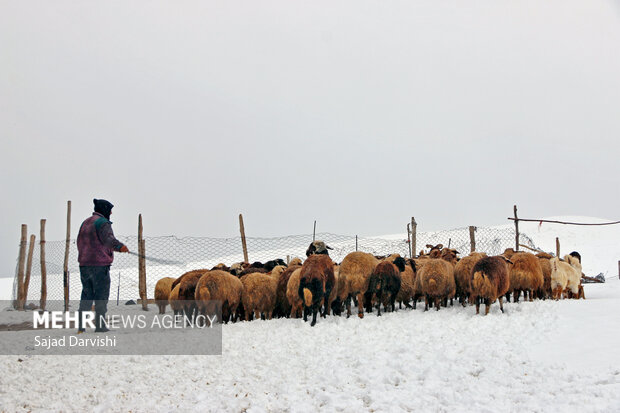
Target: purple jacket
[(96, 242)]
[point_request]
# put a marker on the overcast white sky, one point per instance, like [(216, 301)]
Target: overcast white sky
[(359, 114)]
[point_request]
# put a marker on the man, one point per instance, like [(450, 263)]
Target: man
[(96, 245)]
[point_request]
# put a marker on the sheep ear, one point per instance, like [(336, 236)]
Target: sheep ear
[(439, 246), (429, 246), (328, 247)]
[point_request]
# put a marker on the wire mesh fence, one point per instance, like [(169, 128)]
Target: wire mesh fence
[(188, 253)]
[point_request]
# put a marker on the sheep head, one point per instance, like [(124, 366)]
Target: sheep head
[(317, 247), (400, 263)]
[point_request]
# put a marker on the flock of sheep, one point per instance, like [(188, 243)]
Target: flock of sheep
[(320, 286)]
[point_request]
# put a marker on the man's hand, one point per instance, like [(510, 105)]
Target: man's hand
[(124, 249)]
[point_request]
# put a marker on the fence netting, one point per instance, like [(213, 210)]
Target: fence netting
[(188, 253)]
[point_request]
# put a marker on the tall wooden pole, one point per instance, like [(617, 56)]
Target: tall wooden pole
[(65, 278), (243, 243), (314, 232), (142, 265), (414, 229), (472, 238), (20, 267), (409, 239), (557, 247), (43, 301), (28, 269), (516, 229)]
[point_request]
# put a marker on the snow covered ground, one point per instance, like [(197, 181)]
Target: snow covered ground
[(539, 356)]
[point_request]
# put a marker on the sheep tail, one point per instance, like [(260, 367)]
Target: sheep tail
[(432, 285), (478, 280), (307, 297)]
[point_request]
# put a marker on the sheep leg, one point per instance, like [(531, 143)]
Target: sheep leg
[(529, 293), (516, 294), (508, 297), (426, 300), (477, 300), (314, 311), (348, 305), (487, 306), (393, 304), (360, 306), (501, 303), (437, 303)]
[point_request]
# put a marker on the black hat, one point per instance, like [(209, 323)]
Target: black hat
[(103, 207)]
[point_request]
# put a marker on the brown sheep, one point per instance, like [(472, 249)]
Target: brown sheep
[(525, 275), (462, 275), (384, 284), (292, 294), (259, 293), (187, 288), (406, 292), (489, 281), (295, 261), (435, 282), (219, 285), (162, 293), (316, 282), (283, 307), (333, 304), (355, 270), (175, 305), (220, 266), (545, 265)]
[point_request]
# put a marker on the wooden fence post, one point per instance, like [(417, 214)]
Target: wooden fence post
[(314, 231), (409, 239), (472, 238), (20, 268), (414, 229), (28, 270), (557, 247), (142, 266), (243, 243), (516, 229), (43, 301), (65, 278)]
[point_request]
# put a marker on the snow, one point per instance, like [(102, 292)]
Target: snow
[(539, 356)]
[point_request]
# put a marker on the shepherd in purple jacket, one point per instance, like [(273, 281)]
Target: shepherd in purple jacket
[(96, 244)]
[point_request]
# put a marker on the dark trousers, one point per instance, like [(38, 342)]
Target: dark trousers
[(95, 287)]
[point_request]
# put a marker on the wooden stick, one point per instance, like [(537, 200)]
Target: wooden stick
[(472, 238), (28, 270), (516, 219), (562, 222), (557, 247), (65, 278), (20, 268), (409, 239), (529, 248), (414, 236), (314, 231), (142, 265), (243, 243), (43, 301)]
